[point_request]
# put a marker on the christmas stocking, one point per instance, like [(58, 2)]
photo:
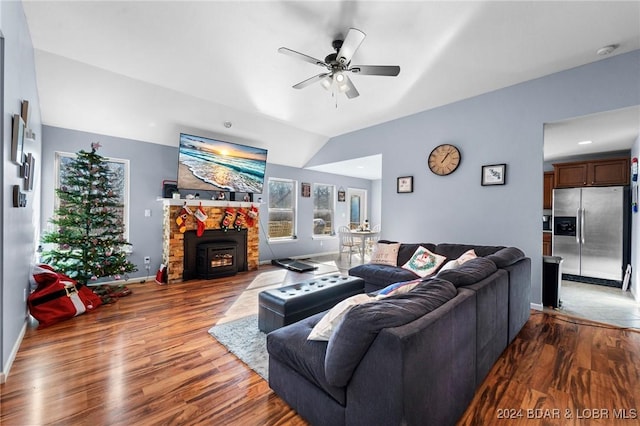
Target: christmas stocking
[(239, 222), (181, 220), (227, 219), (252, 216), (201, 217)]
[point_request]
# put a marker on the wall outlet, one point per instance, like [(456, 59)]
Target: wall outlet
[(147, 260)]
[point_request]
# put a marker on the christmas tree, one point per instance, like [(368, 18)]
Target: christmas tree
[(89, 235)]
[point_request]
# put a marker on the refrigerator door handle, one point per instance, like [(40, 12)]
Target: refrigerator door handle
[(579, 228), (582, 225)]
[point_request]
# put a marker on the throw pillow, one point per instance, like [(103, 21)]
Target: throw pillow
[(398, 288), (453, 264), (423, 262), (385, 254), (324, 328)]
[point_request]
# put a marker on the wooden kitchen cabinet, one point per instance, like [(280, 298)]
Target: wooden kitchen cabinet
[(613, 171), (547, 194), (546, 244)]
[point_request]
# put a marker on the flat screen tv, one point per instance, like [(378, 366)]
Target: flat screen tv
[(214, 165)]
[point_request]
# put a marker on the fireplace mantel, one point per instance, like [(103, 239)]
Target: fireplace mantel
[(173, 239)]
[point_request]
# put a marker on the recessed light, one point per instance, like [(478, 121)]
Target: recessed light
[(584, 142), (227, 124), (606, 49)]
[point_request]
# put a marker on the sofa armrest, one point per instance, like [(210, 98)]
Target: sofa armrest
[(428, 365), (519, 295)]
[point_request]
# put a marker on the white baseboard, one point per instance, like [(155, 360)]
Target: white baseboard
[(537, 306), (4, 374)]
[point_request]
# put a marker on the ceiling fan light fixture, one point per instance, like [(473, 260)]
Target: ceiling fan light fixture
[(341, 81), (326, 82)]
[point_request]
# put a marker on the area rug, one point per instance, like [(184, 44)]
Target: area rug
[(243, 339)]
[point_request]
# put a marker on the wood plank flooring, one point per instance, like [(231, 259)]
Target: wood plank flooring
[(148, 359)]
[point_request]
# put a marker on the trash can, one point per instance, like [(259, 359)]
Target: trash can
[(551, 280)]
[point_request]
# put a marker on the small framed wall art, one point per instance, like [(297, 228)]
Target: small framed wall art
[(17, 140), (405, 184), (305, 189), (494, 174)]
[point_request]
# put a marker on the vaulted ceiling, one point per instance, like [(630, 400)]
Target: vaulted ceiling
[(147, 70)]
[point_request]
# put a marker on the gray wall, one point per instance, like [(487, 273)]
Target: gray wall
[(19, 225), (505, 126)]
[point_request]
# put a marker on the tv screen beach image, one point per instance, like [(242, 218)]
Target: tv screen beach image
[(213, 165)]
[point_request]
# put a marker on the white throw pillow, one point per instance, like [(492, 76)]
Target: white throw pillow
[(423, 262), (324, 328), (452, 264), (386, 254)]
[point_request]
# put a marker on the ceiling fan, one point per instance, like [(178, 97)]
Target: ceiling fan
[(338, 64)]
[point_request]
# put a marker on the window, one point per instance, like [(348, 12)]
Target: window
[(119, 167), (282, 208), (323, 209)]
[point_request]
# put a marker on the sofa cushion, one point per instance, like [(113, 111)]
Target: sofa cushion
[(470, 272), (360, 326), (423, 262), (381, 275), (452, 250), (506, 256), (324, 328), (385, 254), (289, 345), (398, 288)]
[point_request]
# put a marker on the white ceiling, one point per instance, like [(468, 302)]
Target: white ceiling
[(147, 70)]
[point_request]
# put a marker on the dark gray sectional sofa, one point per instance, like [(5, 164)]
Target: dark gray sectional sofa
[(414, 358)]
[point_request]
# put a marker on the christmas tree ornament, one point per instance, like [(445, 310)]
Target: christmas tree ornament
[(227, 219), (201, 217)]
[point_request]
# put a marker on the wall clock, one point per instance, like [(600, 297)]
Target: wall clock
[(444, 159)]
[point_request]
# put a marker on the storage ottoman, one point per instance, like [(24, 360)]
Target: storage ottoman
[(291, 303)]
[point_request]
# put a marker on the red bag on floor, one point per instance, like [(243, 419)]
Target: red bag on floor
[(58, 297)]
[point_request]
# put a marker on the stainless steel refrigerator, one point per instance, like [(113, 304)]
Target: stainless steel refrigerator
[(590, 232)]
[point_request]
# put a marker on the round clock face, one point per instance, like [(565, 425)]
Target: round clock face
[(444, 159)]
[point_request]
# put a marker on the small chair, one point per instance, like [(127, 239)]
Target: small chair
[(371, 242), (347, 241)]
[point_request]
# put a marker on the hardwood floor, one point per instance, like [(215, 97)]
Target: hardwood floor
[(148, 359)]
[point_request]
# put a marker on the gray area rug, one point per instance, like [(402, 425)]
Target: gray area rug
[(243, 339)]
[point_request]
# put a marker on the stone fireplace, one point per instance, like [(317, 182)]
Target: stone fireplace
[(180, 250)]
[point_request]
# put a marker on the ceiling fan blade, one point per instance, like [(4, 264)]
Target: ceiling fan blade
[(310, 81), (388, 70), (351, 91), (351, 43), (302, 56)]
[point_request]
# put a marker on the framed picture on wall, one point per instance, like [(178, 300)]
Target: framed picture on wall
[(405, 184), (494, 174), (305, 189), (17, 140)]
